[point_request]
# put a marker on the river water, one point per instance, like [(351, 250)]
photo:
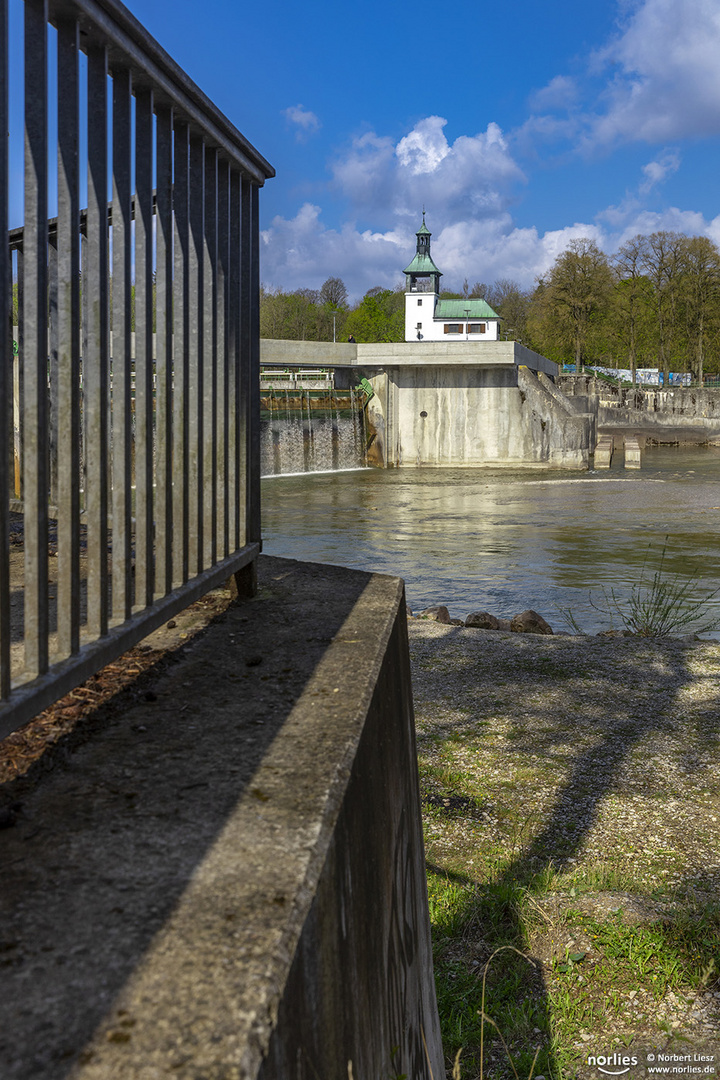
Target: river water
[(506, 540)]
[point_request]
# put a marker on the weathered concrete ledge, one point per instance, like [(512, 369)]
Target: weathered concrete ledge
[(227, 879), (403, 354)]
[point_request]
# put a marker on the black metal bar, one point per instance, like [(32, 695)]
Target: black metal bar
[(132, 46), (196, 359), (236, 430), (68, 244), (6, 369), (19, 377), (30, 698), (144, 541), (253, 464), (181, 314), (222, 449), (122, 585), (246, 270), (53, 426), (163, 356), (35, 341), (209, 383), (95, 373)]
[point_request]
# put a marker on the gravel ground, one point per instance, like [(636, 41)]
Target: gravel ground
[(594, 756)]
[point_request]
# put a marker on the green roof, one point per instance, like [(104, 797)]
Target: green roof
[(464, 309), (422, 264), (423, 230)]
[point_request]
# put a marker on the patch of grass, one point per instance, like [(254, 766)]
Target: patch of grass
[(556, 973)]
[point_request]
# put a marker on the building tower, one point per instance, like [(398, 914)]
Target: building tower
[(422, 287), (428, 318)]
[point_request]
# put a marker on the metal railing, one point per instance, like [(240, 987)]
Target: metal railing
[(157, 504)]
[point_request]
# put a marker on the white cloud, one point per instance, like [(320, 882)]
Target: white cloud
[(467, 187), (475, 172), (658, 170), (301, 252), (668, 82), (306, 122), (560, 93)]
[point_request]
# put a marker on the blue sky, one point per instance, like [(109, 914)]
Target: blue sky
[(517, 126)]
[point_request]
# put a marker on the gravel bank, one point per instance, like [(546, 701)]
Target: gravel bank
[(593, 760)]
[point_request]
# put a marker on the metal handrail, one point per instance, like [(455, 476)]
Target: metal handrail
[(168, 442)]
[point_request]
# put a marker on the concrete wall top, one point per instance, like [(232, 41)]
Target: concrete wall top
[(403, 354)]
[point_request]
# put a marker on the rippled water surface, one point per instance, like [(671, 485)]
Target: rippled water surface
[(505, 540)]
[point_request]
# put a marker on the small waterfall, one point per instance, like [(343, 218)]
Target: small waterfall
[(311, 431)]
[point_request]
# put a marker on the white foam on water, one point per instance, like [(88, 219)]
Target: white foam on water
[(317, 472)]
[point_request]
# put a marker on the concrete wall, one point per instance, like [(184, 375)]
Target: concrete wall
[(499, 416), (224, 878), (403, 354), (361, 981), (683, 412)]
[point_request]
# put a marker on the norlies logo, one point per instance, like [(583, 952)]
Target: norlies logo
[(612, 1064)]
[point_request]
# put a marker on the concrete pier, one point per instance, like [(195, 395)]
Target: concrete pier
[(632, 452), (604, 452)]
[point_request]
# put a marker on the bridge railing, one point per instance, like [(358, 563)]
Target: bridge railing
[(158, 503)]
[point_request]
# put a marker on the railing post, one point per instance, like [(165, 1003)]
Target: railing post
[(95, 346), (122, 598), (6, 368), (144, 539), (35, 341), (164, 358), (68, 253)]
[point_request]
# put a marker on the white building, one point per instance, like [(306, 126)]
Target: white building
[(427, 317)]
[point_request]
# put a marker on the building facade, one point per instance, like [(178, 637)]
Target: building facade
[(427, 317)]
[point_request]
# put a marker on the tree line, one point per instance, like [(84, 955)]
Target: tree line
[(653, 303)]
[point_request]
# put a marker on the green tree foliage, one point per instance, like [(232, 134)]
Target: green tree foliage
[(380, 316), (701, 298), (305, 314), (571, 300)]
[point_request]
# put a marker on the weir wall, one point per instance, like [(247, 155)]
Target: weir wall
[(455, 403)]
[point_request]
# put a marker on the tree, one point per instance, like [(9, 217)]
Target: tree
[(334, 293), (662, 263), (380, 316), (578, 288), (630, 298), (512, 303), (701, 292)]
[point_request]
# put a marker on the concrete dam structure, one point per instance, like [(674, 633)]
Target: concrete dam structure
[(490, 403)]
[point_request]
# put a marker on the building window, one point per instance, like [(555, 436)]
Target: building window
[(419, 303), (453, 328), (477, 328)]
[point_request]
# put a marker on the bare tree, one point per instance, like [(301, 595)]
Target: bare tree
[(631, 295), (662, 260), (334, 293)]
